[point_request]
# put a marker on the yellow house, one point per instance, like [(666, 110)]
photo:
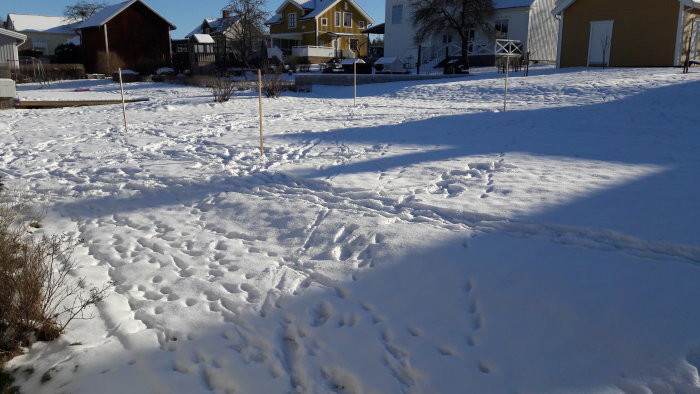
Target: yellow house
[(319, 30)]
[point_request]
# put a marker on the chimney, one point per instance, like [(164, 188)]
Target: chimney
[(225, 13)]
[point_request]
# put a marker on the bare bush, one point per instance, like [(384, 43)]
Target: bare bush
[(273, 85), (109, 62), (222, 88), (39, 295)]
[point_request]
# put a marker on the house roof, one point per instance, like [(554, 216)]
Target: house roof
[(216, 26), (203, 38), (13, 34), (564, 4), (314, 8), (376, 29), (41, 23), (499, 4), (106, 14)]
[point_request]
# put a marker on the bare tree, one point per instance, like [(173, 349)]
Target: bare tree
[(461, 16), (248, 27), (82, 10)]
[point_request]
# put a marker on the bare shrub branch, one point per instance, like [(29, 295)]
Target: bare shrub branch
[(39, 295), (222, 88)]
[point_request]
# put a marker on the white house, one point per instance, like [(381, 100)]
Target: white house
[(9, 41), (529, 21), (44, 33)]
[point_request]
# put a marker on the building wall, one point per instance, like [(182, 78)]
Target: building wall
[(307, 28), (52, 41), (8, 50), (398, 37), (543, 32), (537, 29), (136, 35), (644, 32), (690, 16)]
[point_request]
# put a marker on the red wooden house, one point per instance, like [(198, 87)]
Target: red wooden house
[(128, 35)]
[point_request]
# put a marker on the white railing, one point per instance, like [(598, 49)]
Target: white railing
[(313, 51), (454, 50)]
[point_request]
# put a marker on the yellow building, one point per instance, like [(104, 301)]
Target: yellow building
[(628, 33), (318, 30)]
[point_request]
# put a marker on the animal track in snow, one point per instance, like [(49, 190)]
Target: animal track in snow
[(322, 313)]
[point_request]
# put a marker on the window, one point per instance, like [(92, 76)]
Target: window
[(361, 24), (292, 20), (324, 21), (337, 19), (40, 45), (501, 29), (354, 44), (347, 19), (397, 14)]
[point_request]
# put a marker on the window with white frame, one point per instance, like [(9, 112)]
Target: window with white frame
[(397, 14), (39, 44), (324, 21), (292, 20), (501, 29), (361, 24), (347, 19), (337, 19)]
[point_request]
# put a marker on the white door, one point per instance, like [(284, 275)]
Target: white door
[(694, 40), (599, 43)]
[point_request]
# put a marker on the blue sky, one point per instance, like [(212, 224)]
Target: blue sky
[(186, 15)]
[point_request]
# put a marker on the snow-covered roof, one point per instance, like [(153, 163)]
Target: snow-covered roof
[(388, 60), (41, 23), (499, 4), (564, 4), (277, 18), (106, 14), (215, 25), (320, 9), (316, 8), (203, 38), (13, 34)]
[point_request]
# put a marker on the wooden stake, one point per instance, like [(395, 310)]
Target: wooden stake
[(121, 87), (262, 151), (354, 71), (505, 95)]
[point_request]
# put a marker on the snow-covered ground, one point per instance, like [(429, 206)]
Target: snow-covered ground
[(423, 241)]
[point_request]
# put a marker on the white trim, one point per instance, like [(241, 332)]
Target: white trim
[(560, 39), (679, 35), (322, 20), (106, 42), (337, 19), (345, 14), (294, 3), (21, 38), (357, 7), (562, 6)]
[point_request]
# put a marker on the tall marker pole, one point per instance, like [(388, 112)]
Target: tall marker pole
[(354, 71), (505, 95), (262, 151), (121, 87)]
